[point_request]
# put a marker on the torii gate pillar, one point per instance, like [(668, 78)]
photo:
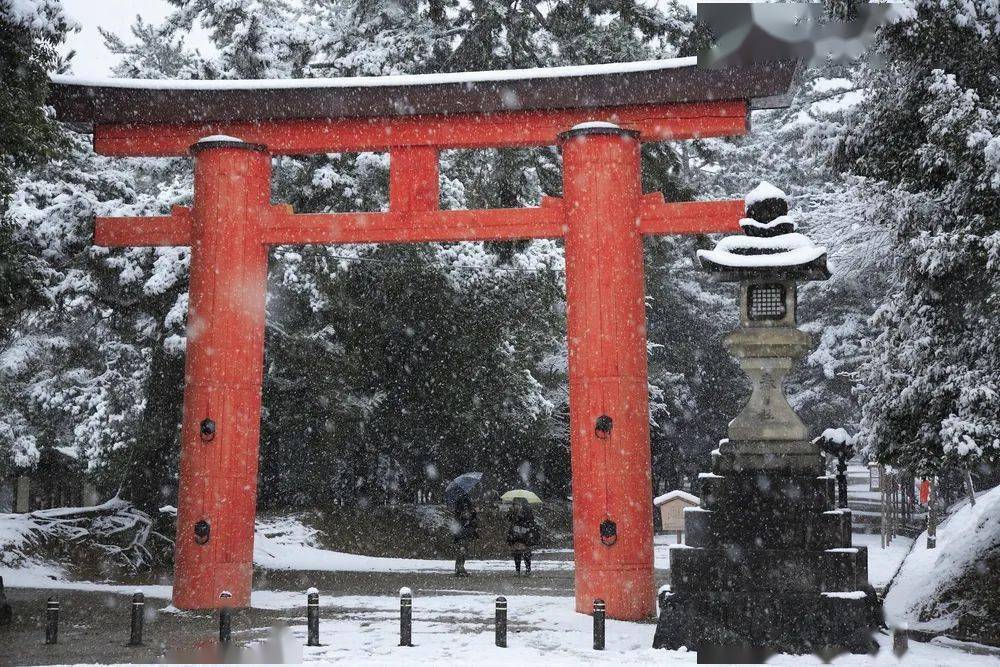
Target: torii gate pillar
[(223, 374), (606, 327)]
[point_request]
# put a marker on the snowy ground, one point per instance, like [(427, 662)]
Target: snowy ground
[(448, 629), (452, 618), (286, 544), (883, 563)]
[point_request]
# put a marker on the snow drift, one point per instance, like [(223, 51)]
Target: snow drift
[(954, 588)]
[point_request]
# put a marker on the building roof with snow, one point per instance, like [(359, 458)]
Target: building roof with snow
[(770, 245), (671, 495), (678, 80)]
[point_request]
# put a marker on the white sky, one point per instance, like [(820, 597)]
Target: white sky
[(93, 59)]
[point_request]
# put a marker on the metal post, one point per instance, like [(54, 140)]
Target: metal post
[(312, 616), (405, 617), (970, 489), (52, 621), (841, 481), (932, 515), (6, 614), (225, 618), (138, 616), (882, 516), (501, 621), (599, 624)]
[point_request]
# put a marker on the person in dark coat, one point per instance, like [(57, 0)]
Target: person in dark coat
[(466, 529), (522, 534)]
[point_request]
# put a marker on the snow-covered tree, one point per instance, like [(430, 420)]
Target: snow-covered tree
[(30, 32), (388, 368), (927, 138)]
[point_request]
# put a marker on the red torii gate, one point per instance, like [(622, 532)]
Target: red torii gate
[(232, 129)]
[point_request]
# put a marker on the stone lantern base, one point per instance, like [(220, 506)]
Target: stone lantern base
[(769, 568)]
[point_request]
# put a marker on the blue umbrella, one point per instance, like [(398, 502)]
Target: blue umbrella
[(461, 486)]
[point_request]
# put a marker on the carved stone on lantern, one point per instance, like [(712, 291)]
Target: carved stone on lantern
[(769, 565)]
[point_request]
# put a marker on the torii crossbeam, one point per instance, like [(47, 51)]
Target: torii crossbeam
[(599, 116)]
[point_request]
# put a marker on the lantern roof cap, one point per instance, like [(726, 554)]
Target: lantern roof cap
[(770, 246)]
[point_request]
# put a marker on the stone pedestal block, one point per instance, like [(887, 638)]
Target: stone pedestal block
[(768, 567)]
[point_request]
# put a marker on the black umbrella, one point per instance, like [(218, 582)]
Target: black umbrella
[(461, 486)]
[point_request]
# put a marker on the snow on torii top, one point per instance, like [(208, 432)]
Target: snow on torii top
[(677, 81), (770, 244)]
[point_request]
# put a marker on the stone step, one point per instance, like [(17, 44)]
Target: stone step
[(718, 529), (696, 570), (784, 622), (767, 494)]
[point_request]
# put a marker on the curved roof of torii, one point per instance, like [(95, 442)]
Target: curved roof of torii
[(680, 80)]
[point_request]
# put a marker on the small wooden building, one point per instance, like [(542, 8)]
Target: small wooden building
[(671, 507)]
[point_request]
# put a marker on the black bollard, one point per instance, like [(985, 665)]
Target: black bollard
[(138, 615), (501, 621), (405, 617), (225, 618), (52, 621), (6, 613), (599, 607), (312, 616), (842, 481)]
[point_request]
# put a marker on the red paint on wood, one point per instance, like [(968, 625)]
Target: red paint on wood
[(413, 179), (606, 325), (223, 373), (416, 226), (422, 226), (695, 217), (602, 217), (501, 130), (164, 230)]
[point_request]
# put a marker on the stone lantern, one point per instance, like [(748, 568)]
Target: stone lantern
[(769, 565), (768, 262)]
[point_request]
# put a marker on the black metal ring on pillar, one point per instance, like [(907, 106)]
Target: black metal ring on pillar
[(312, 616), (222, 141), (501, 621), (595, 127)]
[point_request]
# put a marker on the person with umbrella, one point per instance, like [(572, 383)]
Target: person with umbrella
[(465, 527), (523, 532)]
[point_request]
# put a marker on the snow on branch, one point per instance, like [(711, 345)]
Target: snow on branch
[(116, 528)]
